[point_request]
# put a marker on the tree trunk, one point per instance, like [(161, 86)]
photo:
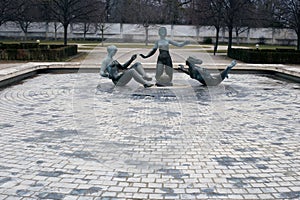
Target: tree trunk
[(237, 37), (55, 31), (298, 41), (84, 31), (217, 40), (66, 34), (147, 35), (46, 30), (197, 32), (230, 29), (102, 36)]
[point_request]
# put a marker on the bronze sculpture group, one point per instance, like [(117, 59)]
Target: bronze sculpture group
[(122, 74)]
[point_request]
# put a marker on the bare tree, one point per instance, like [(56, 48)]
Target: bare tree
[(147, 15), (102, 27), (172, 11), (208, 12), (56, 27), (69, 11), (262, 13), (235, 12), (216, 10), (25, 13), (102, 17), (288, 13), (96, 15), (5, 10)]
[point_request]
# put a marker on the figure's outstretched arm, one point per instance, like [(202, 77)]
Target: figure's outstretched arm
[(179, 44), (181, 68), (152, 52), (103, 70), (125, 65)]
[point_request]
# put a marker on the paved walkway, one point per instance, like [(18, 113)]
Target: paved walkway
[(76, 136)]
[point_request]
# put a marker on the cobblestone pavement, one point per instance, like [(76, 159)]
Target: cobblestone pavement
[(76, 136)]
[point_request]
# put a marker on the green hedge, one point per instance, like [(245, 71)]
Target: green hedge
[(36, 52), (278, 56)]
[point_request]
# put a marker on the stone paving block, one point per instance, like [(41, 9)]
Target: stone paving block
[(192, 190), (140, 196), (155, 185), (115, 189), (123, 184), (235, 196), (156, 196), (146, 190), (124, 195), (254, 190), (85, 198), (131, 189), (191, 196), (12, 197), (109, 194), (283, 189), (71, 197), (265, 196), (251, 196)]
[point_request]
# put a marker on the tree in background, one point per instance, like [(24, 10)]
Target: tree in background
[(70, 11), (96, 15), (172, 11), (153, 11), (230, 14), (216, 12), (234, 15), (102, 17), (147, 15), (25, 13), (46, 16), (6, 8), (288, 13)]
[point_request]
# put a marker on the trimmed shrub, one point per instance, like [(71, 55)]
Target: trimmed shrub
[(36, 52), (262, 40), (265, 56), (29, 45), (207, 40)]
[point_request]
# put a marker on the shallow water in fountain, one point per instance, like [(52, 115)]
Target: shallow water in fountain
[(74, 124)]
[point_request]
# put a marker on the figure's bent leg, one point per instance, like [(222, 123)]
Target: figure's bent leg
[(224, 73), (159, 71), (139, 68), (169, 72), (132, 73), (125, 78)]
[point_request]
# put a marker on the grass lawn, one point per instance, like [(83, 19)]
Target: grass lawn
[(266, 46), (92, 44)]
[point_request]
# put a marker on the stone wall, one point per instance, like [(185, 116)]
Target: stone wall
[(136, 33)]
